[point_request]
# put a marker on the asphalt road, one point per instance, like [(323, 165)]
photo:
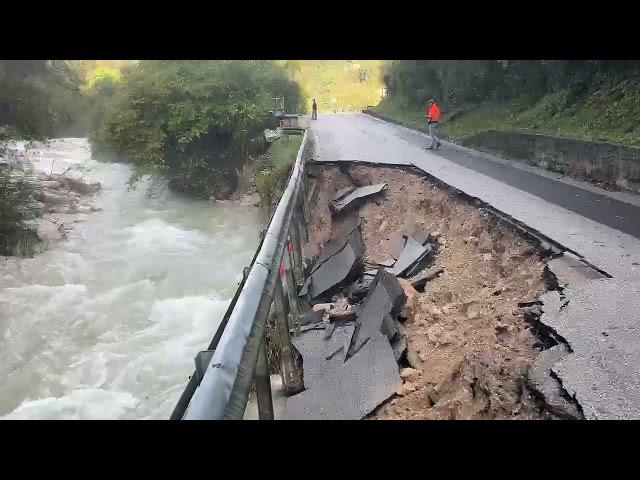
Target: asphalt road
[(601, 320)]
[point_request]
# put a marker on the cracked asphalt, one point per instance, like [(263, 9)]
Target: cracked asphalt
[(603, 372)]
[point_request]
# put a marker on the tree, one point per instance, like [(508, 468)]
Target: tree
[(194, 121)]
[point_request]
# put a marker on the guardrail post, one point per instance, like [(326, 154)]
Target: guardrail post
[(296, 252), (304, 199), (263, 384), (292, 290), (291, 376), (301, 226)]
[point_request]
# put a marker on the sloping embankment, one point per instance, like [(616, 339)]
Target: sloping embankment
[(473, 336)]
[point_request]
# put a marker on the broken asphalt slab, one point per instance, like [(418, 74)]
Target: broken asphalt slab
[(354, 390), (322, 355), (413, 252), (356, 194), (337, 268), (569, 270), (601, 323), (540, 380), (382, 304)]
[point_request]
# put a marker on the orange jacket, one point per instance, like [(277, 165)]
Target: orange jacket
[(434, 113)]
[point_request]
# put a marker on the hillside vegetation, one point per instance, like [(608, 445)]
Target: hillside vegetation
[(590, 100)]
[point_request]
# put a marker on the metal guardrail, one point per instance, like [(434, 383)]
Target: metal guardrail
[(237, 357)]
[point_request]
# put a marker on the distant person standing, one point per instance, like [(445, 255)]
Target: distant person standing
[(314, 110), (433, 117)]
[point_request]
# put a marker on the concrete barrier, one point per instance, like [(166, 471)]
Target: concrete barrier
[(614, 166)]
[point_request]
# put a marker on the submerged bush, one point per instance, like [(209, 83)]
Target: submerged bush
[(18, 208)]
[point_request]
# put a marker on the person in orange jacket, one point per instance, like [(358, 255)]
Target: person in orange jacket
[(433, 117)]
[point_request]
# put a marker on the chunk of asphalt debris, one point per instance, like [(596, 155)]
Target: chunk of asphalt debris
[(356, 194), (399, 347), (550, 250), (313, 326), (600, 323), (353, 390), (421, 237), (412, 253), (359, 289), (329, 331), (389, 327), (310, 317), (338, 268), (569, 270), (383, 303), (396, 245), (421, 263), (385, 262), (343, 192), (539, 380), (322, 355), (529, 303), (419, 281)]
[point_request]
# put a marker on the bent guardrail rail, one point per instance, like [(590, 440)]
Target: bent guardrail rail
[(225, 373)]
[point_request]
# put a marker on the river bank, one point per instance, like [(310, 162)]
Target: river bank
[(105, 323)]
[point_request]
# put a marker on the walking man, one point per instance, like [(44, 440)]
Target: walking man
[(314, 110), (433, 117)]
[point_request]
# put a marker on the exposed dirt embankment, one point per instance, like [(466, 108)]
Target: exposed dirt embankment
[(467, 338)]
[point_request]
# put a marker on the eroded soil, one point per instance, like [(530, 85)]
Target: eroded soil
[(467, 337)]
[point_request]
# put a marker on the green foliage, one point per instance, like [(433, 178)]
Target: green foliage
[(611, 114), (590, 100), (199, 119), (104, 78), (274, 175), (39, 98), (461, 82)]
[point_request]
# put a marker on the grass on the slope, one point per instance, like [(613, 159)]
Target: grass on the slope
[(271, 180), (611, 114)]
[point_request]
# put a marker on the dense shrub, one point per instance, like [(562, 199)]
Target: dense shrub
[(197, 121)]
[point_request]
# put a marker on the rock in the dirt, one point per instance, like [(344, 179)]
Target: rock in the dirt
[(409, 309), (485, 243), (409, 374), (80, 186), (51, 198), (250, 200), (406, 388), (413, 356), (471, 240), (50, 184), (420, 280), (322, 307), (434, 237), (430, 395)]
